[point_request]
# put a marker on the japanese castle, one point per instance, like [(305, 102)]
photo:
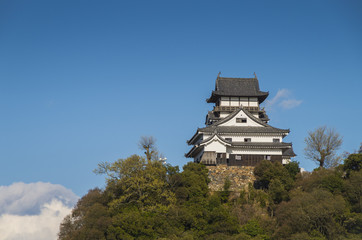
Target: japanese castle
[(237, 132)]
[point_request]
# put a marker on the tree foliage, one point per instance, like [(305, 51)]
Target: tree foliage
[(353, 163), (318, 211)]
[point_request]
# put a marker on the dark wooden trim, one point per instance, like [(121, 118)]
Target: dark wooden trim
[(251, 160)]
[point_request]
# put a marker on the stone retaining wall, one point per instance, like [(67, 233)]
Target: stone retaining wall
[(239, 176)]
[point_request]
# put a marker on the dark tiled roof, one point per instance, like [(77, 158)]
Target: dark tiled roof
[(237, 129), (289, 152), (237, 87), (211, 118), (211, 115), (190, 153)]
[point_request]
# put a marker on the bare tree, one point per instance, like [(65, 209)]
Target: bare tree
[(149, 145), (321, 146)]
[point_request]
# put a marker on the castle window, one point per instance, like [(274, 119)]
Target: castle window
[(229, 139), (238, 157), (267, 157), (247, 139), (276, 140), (241, 120)]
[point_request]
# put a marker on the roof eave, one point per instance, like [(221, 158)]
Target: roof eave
[(263, 97), (190, 153), (191, 140)]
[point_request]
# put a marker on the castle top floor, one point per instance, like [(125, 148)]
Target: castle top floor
[(237, 92)]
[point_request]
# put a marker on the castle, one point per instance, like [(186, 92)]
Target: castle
[(237, 135)]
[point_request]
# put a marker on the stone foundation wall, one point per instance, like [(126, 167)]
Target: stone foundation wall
[(239, 176)]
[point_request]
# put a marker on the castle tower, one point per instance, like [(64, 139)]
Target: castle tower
[(237, 132)]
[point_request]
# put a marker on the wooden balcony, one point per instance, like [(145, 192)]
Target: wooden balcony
[(233, 108)]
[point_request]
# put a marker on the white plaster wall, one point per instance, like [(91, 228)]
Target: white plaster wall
[(244, 101), (285, 160), (253, 102), (249, 102), (235, 101), (224, 101), (238, 101), (215, 146)]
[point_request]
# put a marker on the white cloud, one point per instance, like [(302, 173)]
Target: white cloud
[(284, 99), (34, 210), (290, 103)]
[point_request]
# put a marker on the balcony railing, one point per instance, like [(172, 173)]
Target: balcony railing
[(233, 108)]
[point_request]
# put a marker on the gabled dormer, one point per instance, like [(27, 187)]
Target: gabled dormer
[(240, 118)]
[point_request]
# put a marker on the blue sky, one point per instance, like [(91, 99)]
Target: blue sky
[(82, 81)]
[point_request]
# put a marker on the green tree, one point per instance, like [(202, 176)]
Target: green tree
[(275, 179), (352, 163), (89, 219), (134, 182), (328, 179), (318, 210), (224, 195), (321, 146), (267, 171), (193, 183), (353, 191), (293, 169)]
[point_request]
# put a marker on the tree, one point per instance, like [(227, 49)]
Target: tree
[(132, 182), (308, 212), (266, 171), (321, 146), (149, 145), (353, 163), (293, 169), (89, 219)]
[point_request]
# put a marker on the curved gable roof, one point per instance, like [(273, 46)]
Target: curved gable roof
[(215, 135), (232, 115)]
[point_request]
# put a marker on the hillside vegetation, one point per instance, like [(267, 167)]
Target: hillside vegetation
[(149, 200)]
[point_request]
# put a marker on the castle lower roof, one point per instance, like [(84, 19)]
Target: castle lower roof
[(289, 152), (288, 147), (237, 129), (237, 87)]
